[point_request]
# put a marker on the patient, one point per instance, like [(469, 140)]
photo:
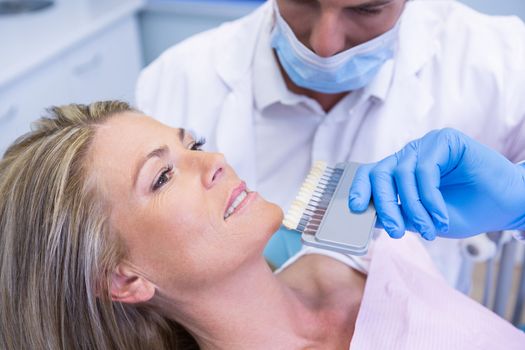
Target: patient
[(118, 232)]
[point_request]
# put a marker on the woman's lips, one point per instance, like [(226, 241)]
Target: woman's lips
[(236, 191), (250, 196), (238, 199)]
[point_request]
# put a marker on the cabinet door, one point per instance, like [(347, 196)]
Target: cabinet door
[(26, 100), (106, 66), (101, 68)]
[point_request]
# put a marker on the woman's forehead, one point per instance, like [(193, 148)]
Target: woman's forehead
[(130, 122), (131, 132), (125, 139)]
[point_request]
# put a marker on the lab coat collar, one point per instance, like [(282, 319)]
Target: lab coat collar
[(418, 37), (420, 29), (416, 46), (380, 85), (418, 43)]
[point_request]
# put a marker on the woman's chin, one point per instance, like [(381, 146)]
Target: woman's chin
[(269, 217), (276, 219)]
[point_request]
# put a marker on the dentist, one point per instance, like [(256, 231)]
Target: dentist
[(341, 80)]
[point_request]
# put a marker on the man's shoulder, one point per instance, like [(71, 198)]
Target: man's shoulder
[(461, 31), (496, 41), (464, 20)]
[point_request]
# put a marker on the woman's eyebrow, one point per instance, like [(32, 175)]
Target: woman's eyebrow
[(158, 152)]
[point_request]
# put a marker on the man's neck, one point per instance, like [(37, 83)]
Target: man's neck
[(251, 309)]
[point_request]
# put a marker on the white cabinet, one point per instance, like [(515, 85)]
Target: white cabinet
[(101, 67), (25, 100), (108, 66)]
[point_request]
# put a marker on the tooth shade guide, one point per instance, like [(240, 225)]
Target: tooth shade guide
[(320, 211)]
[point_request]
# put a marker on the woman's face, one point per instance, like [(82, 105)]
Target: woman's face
[(171, 203)]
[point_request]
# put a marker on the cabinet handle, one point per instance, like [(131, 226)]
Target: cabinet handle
[(9, 114), (88, 65)]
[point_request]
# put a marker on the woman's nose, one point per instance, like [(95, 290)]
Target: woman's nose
[(328, 36), (215, 165)]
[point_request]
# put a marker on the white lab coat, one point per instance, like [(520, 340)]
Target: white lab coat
[(454, 68)]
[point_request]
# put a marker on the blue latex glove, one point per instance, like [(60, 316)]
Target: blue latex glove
[(448, 185)]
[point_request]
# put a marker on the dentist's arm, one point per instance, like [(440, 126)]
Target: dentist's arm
[(448, 185)]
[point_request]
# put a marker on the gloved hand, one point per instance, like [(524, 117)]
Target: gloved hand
[(448, 185)]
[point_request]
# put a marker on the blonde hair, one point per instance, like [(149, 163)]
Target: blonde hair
[(57, 251)]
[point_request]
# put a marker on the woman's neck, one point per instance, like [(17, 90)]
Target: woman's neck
[(254, 309)]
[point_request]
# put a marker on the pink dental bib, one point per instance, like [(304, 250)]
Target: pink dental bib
[(408, 305)]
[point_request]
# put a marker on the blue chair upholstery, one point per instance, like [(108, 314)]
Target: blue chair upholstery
[(282, 246)]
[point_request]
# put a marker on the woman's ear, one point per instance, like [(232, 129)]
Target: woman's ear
[(129, 287)]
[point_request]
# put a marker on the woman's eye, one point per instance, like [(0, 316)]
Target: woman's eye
[(163, 178), (197, 145)]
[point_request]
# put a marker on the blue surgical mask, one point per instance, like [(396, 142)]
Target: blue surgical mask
[(346, 71)]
